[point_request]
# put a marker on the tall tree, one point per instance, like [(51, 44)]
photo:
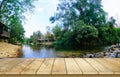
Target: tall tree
[(11, 14), (90, 11), (92, 17)]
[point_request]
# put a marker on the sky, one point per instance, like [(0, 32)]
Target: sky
[(112, 7), (44, 9), (39, 19)]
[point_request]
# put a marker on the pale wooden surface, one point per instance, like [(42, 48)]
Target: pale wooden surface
[(33, 67), (59, 66), (72, 67), (98, 66), (46, 67), (81, 67), (83, 64)]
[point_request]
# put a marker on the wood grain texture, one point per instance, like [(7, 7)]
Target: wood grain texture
[(5, 61), (72, 67), (99, 67), (85, 66), (46, 67), (18, 68), (10, 65), (110, 65), (58, 75), (60, 67), (33, 67)]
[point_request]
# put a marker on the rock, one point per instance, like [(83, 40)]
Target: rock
[(113, 46), (90, 55), (107, 53), (115, 49), (117, 55), (111, 55), (99, 55)]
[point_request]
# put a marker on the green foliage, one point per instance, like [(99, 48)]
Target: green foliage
[(57, 32), (118, 34), (89, 11), (83, 22), (85, 33), (49, 36), (11, 14), (108, 35), (36, 35)]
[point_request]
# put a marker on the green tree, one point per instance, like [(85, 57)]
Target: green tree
[(89, 11), (16, 32), (57, 32), (118, 34), (11, 14), (85, 33), (36, 35), (83, 21), (49, 36), (108, 35)]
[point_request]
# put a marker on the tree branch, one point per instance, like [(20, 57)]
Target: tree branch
[(2, 4)]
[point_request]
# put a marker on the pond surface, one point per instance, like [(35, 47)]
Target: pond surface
[(48, 51)]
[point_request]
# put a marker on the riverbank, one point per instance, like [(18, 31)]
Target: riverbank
[(9, 50)]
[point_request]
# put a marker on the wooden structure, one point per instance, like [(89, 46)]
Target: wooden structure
[(40, 41), (60, 67), (4, 32)]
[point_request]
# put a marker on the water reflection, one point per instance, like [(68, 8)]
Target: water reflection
[(37, 52), (48, 51)]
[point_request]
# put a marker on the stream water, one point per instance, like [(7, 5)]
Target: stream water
[(48, 51)]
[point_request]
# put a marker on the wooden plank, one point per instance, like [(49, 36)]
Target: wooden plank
[(18, 68), (118, 59), (10, 65), (85, 66), (109, 65), (5, 61), (59, 66), (100, 68), (33, 67), (72, 67), (59, 75), (113, 61), (108, 75), (46, 66)]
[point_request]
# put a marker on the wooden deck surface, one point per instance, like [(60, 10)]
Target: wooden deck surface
[(69, 67)]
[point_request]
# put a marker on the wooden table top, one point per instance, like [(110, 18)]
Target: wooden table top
[(60, 66)]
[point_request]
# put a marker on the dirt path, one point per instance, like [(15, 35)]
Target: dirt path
[(9, 50)]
